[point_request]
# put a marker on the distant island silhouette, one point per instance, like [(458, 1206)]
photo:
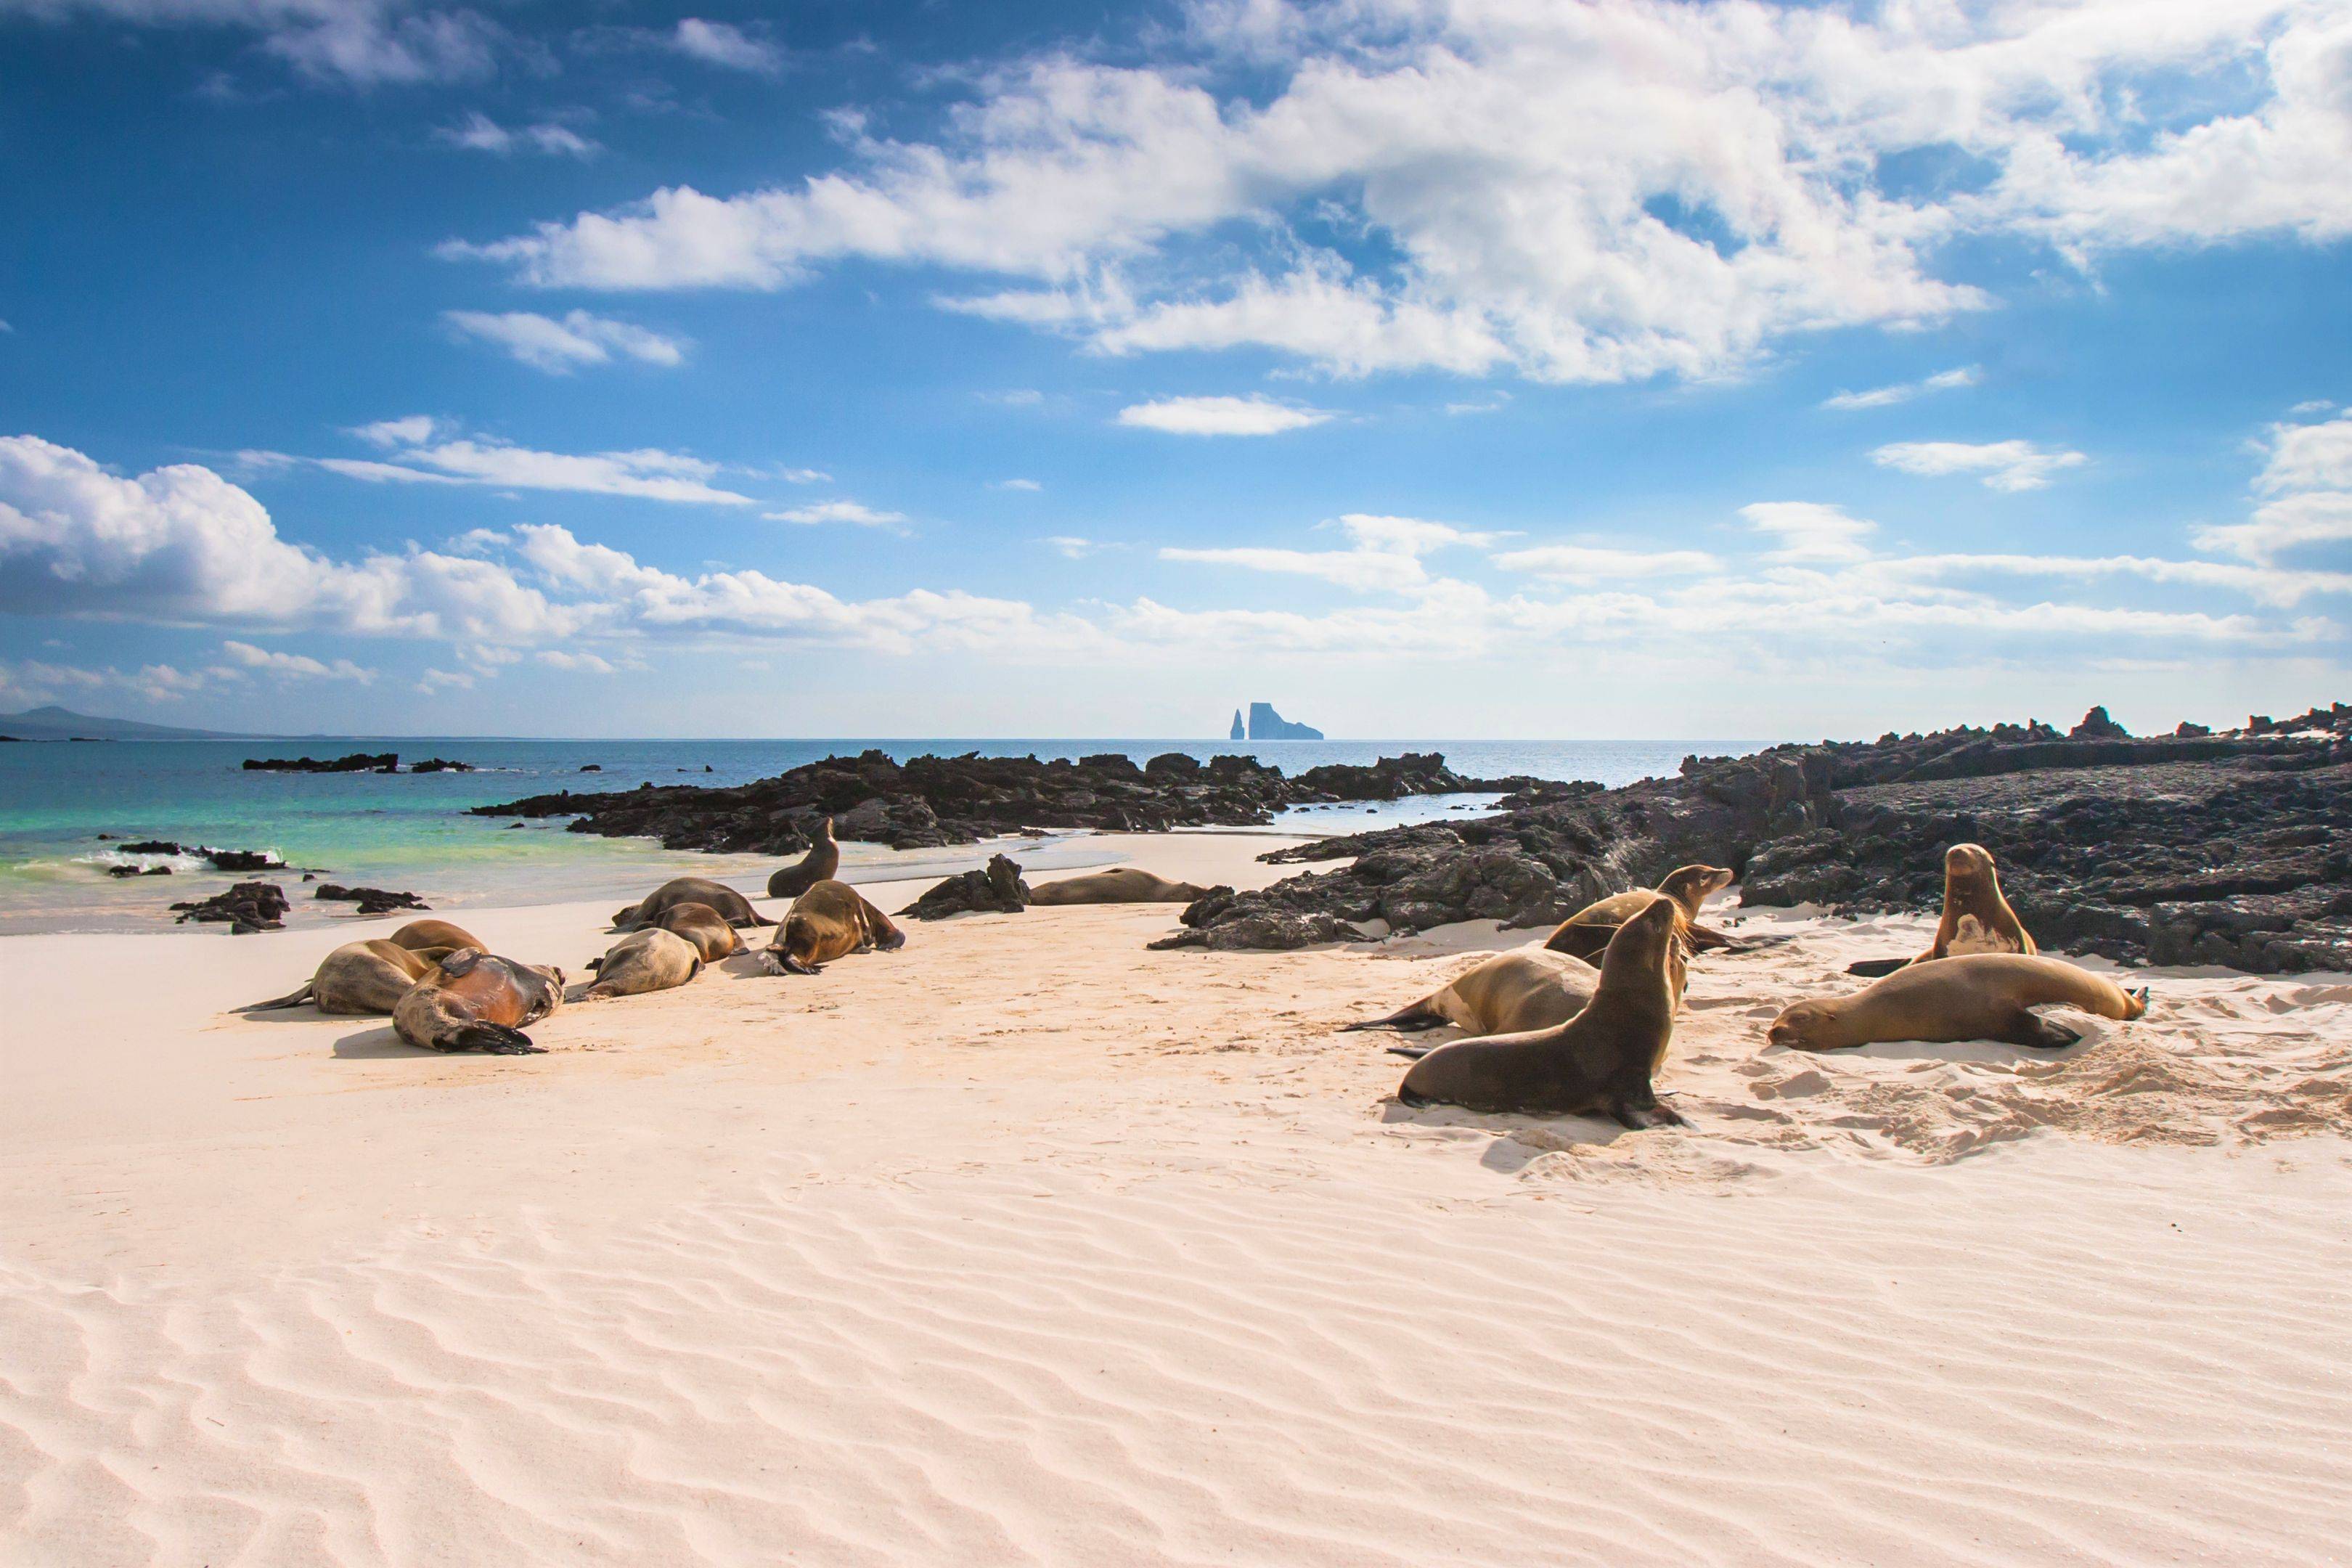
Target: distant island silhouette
[(1266, 724)]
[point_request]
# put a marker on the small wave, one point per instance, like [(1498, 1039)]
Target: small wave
[(104, 859)]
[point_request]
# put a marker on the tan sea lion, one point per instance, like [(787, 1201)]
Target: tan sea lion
[(818, 865), (1973, 996), (369, 976), (648, 960), (1587, 931), (1507, 995), (1117, 884), (733, 907), (473, 1002), (1604, 1060), (1976, 918), (703, 926), (830, 921), (417, 935)]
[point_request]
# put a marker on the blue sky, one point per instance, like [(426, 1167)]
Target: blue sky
[(1630, 369)]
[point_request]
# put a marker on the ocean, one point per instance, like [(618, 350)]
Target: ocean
[(411, 831)]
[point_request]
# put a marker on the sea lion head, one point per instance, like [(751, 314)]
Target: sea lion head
[(626, 919), (1970, 863), (797, 942), (825, 831), (1809, 1026), (1690, 886), (1644, 947)]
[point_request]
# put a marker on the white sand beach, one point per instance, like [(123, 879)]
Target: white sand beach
[(1028, 1244)]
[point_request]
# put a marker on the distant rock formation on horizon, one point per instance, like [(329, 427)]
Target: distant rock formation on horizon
[(1266, 724), (1239, 734)]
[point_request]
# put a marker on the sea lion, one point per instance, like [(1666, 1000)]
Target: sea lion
[(1603, 1059), (703, 926), (1587, 931), (1976, 918), (818, 865), (1118, 884), (1973, 996), (417, 935), (733, 907), (830, 921), (648, 960), (472, 1001), (1507, 995), (369, 976)]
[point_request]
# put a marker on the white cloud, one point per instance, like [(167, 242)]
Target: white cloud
[(1252, 415), (2309, 405), (646, 473), (2005, 465), (559, 347), (2308, 457), (295, 664), (1579, 562), (1904, 390), (359, 43), (837, 512), (588, 662), (478, 132), (408, 431), (434, 680), (1031, 485), (32, 681), (1071, 547), (2306, 475), (1810, 530), (804, 476), (718, 44), (1384, 555)]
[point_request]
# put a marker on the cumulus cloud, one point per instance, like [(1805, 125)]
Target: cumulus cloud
[(559, 347), (837, 512), (301, 665), (1252, 415), (2306, 480), (2004, 464), (480, 134), (719, 44), (1809, 530), (1904, 390), (30, 682), (556, 659)]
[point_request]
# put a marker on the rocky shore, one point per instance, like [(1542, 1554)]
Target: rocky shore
[(2232, 849), (927, 801)]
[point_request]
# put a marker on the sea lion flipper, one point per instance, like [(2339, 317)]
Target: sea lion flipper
[(461, 961), (1876, 968), (1415, 1052), (2038, 1033), (1409, 1019), (496, 1039), (294, 998), (1706, 938)]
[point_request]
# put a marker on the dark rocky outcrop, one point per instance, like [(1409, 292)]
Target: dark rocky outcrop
[(440, 765), (139, 870), (247, 907), (999, 890), (357, 762), (371, 901), (242, 860)]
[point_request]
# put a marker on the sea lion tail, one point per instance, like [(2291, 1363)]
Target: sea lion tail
[(1413, 1052), (496, 1039), (1876, 968), (1410, 1018), (756, 919), (594, 965), (2137, 1001), (291, 999)]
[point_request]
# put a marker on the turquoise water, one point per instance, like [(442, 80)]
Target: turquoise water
[(412, 831)]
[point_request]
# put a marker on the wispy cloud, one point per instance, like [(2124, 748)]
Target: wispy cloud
[(822, 511), (722, 44), (561, 346), (2004, 464), (1904, 390), (1252, 415), (480, 134)]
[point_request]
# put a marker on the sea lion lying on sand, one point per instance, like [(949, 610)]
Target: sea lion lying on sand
[(1117, 885), (369, 976), (1975, 996), (1976, 918), (703, 926), (733, 907), (1587, 931), (818, 865), (419, 935), (1604, 1060), (648, 959), (473, 1002), (830, 921), (1507, 994)]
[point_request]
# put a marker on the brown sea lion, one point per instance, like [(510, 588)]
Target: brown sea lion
[(1973, 996), (1507, 995), (417, 935), (703, 926), (733, 907), (1117, 884), (1584, 933), (474, 1001), (818, 865), (648, 960), (1604, 1060), (369, 976), (1976, 918), (830, 921)]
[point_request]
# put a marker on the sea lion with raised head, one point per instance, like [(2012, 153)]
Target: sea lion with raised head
[(1587, 931), (1117, 885), (1506, 995), (1972, 997), (703, 926), (473, 1002), (651, 959), (830, 921), (733, 907), (369, 976), (418, 935), (818, 865), (1976, 918), (1604, 1060)]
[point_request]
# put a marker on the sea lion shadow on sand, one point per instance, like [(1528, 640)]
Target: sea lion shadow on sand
[(1981, 1052), (378, 1043), (1506, 1152)]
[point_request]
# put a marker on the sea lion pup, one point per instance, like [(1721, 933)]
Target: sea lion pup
[(818, 865), (1976, 918), (1117, 884), (369, 976), (1604, 1060), (648, 959), (418, 935), (1587, 931), (473, 1002), (703, 926), (830, 921), (1973, 996), (733, 907), (1508, 994)]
